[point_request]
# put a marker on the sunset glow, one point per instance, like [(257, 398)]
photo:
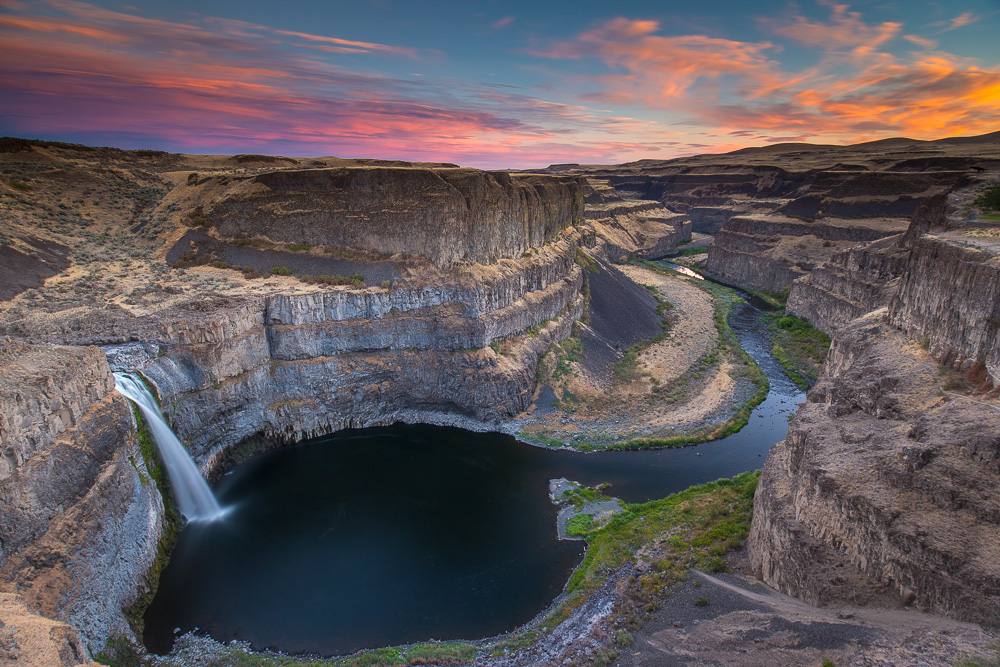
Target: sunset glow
[(503, 86)]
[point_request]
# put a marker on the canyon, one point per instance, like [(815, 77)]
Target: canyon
[(269, 300)]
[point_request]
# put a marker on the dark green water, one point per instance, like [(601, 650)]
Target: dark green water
[(379, 537)]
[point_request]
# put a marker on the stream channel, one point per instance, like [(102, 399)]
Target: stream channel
[(386, 536)]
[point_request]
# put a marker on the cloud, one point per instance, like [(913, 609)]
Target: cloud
[(844, 30), (218, 85), (659, 71), (857, 90), (502, 23), (921, 41), (960, 21), (930, 98)]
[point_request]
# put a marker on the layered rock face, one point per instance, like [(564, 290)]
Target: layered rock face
[(633, 227), (81, 517), (298, 365), (884, 482), (770, 252), (454, 343), (950, 297), (445, 215), (850, 284)]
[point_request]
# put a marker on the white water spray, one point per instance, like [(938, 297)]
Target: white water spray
[(194, 498)]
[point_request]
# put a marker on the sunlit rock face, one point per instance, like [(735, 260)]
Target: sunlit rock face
[(950, 296), (885, 482), (445, 215), (452, 340), (81, 518), (850, 284)]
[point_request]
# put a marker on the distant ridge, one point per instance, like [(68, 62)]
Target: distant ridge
[(790, 148)]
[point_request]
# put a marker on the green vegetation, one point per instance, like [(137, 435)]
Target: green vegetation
[(441, 654), (18, 185), (586, 262), (386, 284), (300, 247), (624, 639), (989, 200), (798, 346), (701, 523), (578, 495), (566, 353), (776, 299), (827, 663), (281, 271), (356, 279), (981, 660), (120, 652), (579, 525), (725, 299), (627, 369), (695, 250), (197, 218), (703, 601)]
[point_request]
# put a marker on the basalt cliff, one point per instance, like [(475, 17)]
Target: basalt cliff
[(281, 298), (261, 298)]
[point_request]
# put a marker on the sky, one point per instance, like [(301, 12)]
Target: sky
[(491, 84)]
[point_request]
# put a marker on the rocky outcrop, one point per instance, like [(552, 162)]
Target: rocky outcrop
[(294, 366), (848, 285), (632, 227), (30, 640), (950, 298), (768, 253), (884, 483), (445, 215), (81, 517)]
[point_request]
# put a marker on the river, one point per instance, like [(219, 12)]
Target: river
[(378, 537)]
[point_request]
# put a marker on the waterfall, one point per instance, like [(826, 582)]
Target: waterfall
[(194, 498)]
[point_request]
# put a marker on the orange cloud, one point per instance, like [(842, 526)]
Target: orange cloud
[(730, 86), (921, 41), (220, 85), (846, 29), (960, 21), (658, 70)]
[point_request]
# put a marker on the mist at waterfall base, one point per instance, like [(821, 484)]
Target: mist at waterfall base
[(380, 537), (194, 499)]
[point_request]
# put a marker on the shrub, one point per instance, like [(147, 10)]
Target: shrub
[(703, 601), (219, 264), (989, 200), (386, 284), (579, 525), (624, 639), (296, 247), (357, 279), (281, 271)]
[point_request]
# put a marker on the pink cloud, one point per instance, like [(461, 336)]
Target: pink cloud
[(227, 86), (960, 21), (845, 29), (659, 71), (732, 87)]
